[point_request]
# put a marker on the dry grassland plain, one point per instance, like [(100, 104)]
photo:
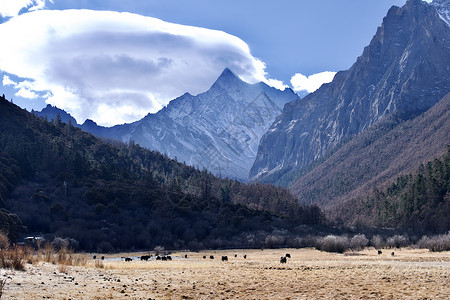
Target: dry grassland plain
[(309, 274)]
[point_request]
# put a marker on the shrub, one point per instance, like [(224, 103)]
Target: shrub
[(4, 241), (377, 241), (274, 241), (333, 243), (73, 244), (59, 243), (302, 242), (63, 269), (64, 256), (159, 249), (436, 243), (397, 241), (359, 242), (79, 260), (99, 264), (14, 258), (48, 253)]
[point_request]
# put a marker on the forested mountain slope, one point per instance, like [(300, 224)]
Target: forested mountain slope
[(65, 182), (417, 203), (374, 160)]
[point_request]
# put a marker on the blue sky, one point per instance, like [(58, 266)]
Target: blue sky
[(115, 68), (289, 35)]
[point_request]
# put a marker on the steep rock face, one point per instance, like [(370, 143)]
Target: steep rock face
[(218, 130), (405, 70)]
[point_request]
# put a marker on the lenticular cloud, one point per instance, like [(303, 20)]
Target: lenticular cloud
[(116, 67)]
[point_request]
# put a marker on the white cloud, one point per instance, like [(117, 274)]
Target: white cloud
[(117, 67), (8, 81), (11, 8), (26, 93), (278, 84), (311, 83), (26, 89)]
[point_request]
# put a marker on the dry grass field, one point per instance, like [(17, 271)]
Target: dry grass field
[(309, 274)]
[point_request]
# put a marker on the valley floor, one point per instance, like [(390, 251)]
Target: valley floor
[(309, 274)]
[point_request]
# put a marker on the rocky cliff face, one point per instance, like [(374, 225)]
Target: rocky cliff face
[(405, 70), (218, 130)]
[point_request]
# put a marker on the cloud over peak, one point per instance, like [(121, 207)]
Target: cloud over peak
[(116, 67), (311, 83)]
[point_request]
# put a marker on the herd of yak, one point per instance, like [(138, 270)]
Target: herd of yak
[(168, 257), (283, 259)]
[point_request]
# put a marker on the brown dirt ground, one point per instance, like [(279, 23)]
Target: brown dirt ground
[(309, 274)]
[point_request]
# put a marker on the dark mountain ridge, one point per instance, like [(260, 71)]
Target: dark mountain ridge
[(52, 113)]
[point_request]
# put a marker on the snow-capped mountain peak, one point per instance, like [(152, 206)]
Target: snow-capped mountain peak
[(219, 129)]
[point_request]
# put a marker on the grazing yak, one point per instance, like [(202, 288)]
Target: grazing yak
[(169, 257), (145, 257), (283, 260), (94, 257), (288, 255), (245, 256), (204, 256), (224, 258), (128, 259), (211, 257), (103, 258), (380, 252), (392, 253), (158, 257)]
